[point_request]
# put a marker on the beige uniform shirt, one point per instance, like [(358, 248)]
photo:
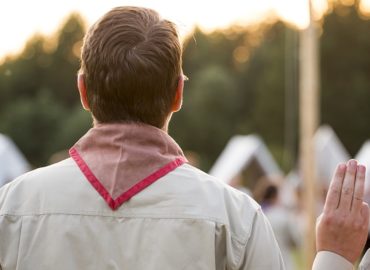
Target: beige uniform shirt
[(52, 218)]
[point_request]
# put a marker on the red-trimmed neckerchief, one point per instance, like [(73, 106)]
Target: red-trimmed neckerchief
[(120, 160)]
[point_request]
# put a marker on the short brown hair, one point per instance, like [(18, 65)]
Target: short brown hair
[(131, 60)]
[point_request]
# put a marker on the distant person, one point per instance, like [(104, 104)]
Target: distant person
[(12, 161), (126, 199), (284, 224)]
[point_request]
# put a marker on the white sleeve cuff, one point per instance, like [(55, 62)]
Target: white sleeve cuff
[(326, 260)]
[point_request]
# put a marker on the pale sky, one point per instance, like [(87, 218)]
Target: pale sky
[(19, 19)]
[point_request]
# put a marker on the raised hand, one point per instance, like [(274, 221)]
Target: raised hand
[(343, 226)]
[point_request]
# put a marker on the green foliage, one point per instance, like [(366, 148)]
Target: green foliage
[(33, 125), (236, 87), (204, 123), (72, 127), (38, 94), (345, 69), (267, 80)]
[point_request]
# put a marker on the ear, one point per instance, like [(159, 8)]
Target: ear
[(177, 103), (82, 90)]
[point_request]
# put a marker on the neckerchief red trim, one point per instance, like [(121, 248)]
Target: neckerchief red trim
[(120, 160)]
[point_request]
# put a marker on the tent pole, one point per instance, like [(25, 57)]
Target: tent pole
[(309, 118)]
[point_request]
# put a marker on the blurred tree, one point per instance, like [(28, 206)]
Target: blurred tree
[(33, 125), (209, 115), (63, 69), (38, 93), (267, 80), (345, 69), (236, 86), (72, 128), (214, 104)]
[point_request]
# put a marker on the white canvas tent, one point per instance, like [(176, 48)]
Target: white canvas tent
[(363, 157), (239, 153), (12, 161), (329, 152)]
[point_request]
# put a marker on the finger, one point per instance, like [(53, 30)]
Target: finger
[(348, 186), (333, 196), (358, 194), (365, 213)]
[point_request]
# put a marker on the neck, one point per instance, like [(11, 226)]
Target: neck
[(164, 128)]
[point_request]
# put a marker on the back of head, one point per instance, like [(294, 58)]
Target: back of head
[(131, 60), (270, 194)]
